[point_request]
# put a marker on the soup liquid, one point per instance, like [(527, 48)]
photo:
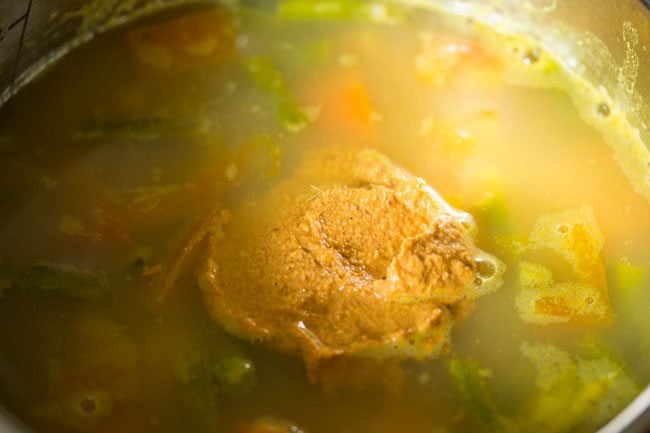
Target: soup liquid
[(114, 158)]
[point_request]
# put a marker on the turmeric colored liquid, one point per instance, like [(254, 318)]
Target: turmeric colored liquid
[(114, 159)]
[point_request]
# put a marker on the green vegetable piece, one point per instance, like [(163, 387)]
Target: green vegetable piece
[(199, 391), (628, 277), (607, 389), (235, 375), (360, 10), (200, 397), (575, 391), (550, 68), (63, 279), (147, 128), (270, 80), (470, 384), (493, 212)]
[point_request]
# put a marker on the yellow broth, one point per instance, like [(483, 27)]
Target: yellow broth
[(112, 159)]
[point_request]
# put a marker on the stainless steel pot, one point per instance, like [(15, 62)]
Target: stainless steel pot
[(606, 42)]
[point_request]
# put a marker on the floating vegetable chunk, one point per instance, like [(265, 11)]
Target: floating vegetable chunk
[(575, 236), (377, 12), (575, 390), (369, 266), (269, 79), (572, 393), (193, 40), (56, 279), (469, 381), (540, 300)]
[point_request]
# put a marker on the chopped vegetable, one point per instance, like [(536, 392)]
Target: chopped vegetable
[(64, 280), (575, 235), (574, 390), (192, 40), (495, 220), (627, 276), (120, 216), (199, 391), (235, 375), (213, 224), (346, 106), (269, 79), (138, 128), (542, 301), (469, 381), (310, 10), (208, 372), (493, 212)]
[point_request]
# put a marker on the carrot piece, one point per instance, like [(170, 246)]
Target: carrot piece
[(192, 40), (346, 106)]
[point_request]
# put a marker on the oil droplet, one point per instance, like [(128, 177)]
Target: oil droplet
[(563, 229), (603, 109), (532, 56), (88, 404)]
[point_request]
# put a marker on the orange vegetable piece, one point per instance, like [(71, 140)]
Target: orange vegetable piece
[(192, 40), (346, 107), (575, 235)]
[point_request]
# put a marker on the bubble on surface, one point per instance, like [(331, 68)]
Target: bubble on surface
[(485, 268), (489, 275), (603, 109)]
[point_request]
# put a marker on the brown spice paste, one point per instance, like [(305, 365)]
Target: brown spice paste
[(371, 265)]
